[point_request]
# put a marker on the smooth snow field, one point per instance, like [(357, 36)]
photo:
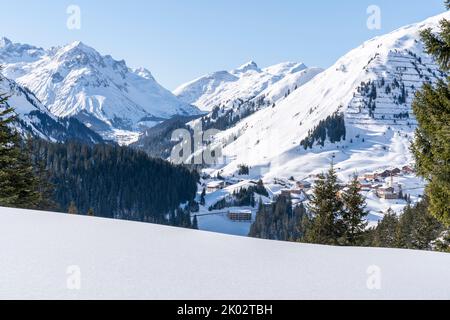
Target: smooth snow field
[(58, 256)]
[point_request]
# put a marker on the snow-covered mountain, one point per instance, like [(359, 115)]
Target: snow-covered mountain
[(224, 88), (45, 255), (34, 119), (105, 94), (357, 113)]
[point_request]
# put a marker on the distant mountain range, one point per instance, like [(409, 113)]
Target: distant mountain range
[(36, 120), (371, 89), (288, 121), (76, 81), (282, 121), (223, 88)]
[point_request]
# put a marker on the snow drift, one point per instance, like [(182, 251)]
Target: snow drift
[(127, 260)]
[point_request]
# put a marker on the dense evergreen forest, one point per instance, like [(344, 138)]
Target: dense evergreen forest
[(333, 128), (115, 182), (339, 218), (242, 197), (157, 141), (280, 221)]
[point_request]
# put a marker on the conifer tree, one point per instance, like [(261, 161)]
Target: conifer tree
[(431, 147), (202, 197), (443, 244), (195, 223), (354, 214), (72, 208), (44, 187), (385, 235), (18, 184), (326, 208), (91, 212), (417, 228)]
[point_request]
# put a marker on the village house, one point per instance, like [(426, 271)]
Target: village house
[(240, 215), (388, 173), (387, 193), (298, 194), (371, 176), (214, 186), (291, 192), (408, 170), (303, 185), (390, 192), (365, 186)]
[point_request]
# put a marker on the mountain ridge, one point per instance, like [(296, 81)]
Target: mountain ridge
[(75, 79), (34, 119), (224, 88)]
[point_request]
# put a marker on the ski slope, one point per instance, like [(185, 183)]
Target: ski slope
[(128, 260)]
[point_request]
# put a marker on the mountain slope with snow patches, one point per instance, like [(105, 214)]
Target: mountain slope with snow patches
[(43, 255), (370, 90), (34, 119), (224, 88), (75, 80)]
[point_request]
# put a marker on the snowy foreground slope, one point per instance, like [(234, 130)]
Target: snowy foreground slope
[(125, 260)]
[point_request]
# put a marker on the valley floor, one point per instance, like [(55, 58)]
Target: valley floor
[(47, 255)]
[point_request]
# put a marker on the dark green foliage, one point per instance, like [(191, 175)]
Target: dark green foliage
[(242, 197), (222, 119), (279, 221), (415, 228), (326, 208), (443, 244), (202, 197), (157, 141), (62, 130), (180, 218), (243, 170), (403, 95), (115, 182), (385, 234), (439, 45), (19, 187), (431, 147), (332, 128), (193, 206), (260, 189), (72, 208), (373, 92), (45, 188), (354, 214), (195, 223)]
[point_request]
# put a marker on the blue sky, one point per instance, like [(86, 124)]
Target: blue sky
[(179, 40)]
